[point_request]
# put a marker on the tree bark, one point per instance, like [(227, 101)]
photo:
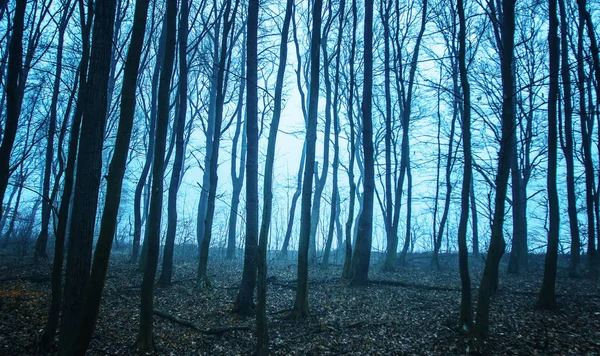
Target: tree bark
[(115, 176), (547, 297), (89, 169), (14, 95), (489, 281), (145, 333), (362, 252), (179, 129), (300, 309)]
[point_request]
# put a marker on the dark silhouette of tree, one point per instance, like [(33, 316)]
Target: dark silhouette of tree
[(167, 265), (65, 202), (362, 252), (89, 169), (300, 309), (567, 144), (547, 297), (229, 19), (42, 240), (350, 113), (114, 178), (138, 214), (489, 280), (145, 333), (14, 95)]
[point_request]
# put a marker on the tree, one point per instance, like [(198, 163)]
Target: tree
[(489, 280), (145, 333), (229, 18), (300, 309), (42, 240), (167, 266), (138, 215), (547, 297), (567, 145), (65, 202), (14, 95), (466, 316), (350, 112), (362, 252), (89, 169)]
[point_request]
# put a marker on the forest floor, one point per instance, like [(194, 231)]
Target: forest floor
[(411, 311)]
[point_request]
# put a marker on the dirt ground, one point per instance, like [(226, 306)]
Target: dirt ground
[(411, 311)]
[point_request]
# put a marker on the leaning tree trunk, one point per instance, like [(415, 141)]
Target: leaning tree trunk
[(65, 202), (88, 176), (145, 333), (42, 240), (114, 184), (489, 281), (138, 220)]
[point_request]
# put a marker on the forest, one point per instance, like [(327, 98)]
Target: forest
[(299, 177)]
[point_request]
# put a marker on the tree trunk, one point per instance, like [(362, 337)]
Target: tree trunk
[(89, 169), (42, 240), (237, 179), (348, 250), (138, 220), (114, 184), (547, 297), (362, 252), (14, 95), (300, 309), (489, 281), (145, 333), (179, 129), (65, 201), (466, 309), (568, 146), (202, 277)]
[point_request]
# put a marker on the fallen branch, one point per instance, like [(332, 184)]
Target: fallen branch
[(414, 285), (191, 325)]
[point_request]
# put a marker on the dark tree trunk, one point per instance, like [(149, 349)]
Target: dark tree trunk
[(14, 95), (179, 129), (89, 169), (138, 214), (489, 281), (145, 333), (466, 309), (474, 218), (348, 235), (114, 184), (300, 309), (362, 252), (335, 209), (237, 178), (65, 202), (568, 146), (202, 277), (290, 225), (42, 240), (249, 276), (547, 297), (586, 124)]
